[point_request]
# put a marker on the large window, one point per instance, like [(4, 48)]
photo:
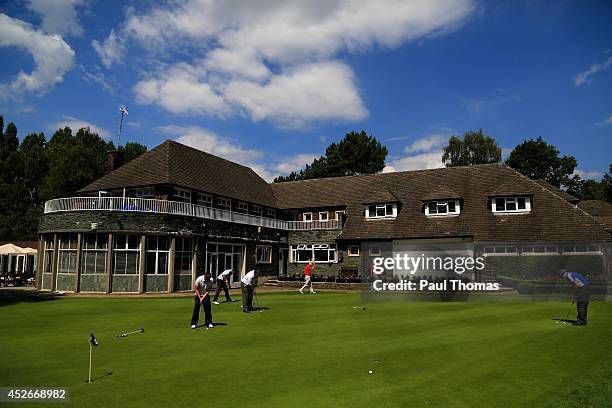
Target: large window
[(205, 200), (126, 254), (264, 254), (271, 213), (67, 253), (381, 211), (511, 204), (95, 248), (146, 192), (257, 210), (316, 252), (500, 250), (48, 255), (450, 207), (242, 207), (183, 254), (157, 249), (224, 204), (183, 195)]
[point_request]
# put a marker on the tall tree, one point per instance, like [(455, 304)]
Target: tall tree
[(473, 148), (132, 150), (539, 160), (357, 153), (74, 161)]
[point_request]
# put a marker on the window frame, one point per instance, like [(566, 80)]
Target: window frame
[(384, 207), (158, 254), (326, 215), (330, 249), (144, 192), (257, 210), (444, 204), (224, 204), (266, 250), (126, 250), (304, 216), (205, 200), (271, 212), (352, 253), (513, 200), (183, 195), (242, 207)]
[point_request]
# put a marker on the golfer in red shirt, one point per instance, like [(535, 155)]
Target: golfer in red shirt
[(307, 272)]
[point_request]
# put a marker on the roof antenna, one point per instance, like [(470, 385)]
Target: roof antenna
[(123, 111)]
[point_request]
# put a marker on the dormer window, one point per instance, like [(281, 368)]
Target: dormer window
[(307, 217), (511, 205), (442, 208), (323, 216), (375, 211), (242, 207)]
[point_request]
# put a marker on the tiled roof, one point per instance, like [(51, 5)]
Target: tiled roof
[(176, 164), (560, 193), (551, 219), (440, 192), (379, 196), (600, 210)]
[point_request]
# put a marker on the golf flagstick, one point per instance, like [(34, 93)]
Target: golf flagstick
[(92, 342)]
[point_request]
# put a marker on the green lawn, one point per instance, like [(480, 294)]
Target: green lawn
[(309, 350)]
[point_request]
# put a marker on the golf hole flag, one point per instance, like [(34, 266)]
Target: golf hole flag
[(92, 340)]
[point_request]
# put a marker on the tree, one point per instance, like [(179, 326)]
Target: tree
[(473, 148), (131, 151), (357, 153), (74, 161), (607, 182), (539, 160)]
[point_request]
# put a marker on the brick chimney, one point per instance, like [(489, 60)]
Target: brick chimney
[(114, 160)]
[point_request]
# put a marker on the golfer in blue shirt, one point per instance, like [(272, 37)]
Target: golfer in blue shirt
[(582, 294)]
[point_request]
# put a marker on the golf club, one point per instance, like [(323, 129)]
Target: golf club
[(257, 302), (570, 308), (133, 332)]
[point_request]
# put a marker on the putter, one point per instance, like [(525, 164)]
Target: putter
[(257, 302), (570, 308), (133, 332)]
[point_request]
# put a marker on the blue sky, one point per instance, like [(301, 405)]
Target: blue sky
[(270, 84)]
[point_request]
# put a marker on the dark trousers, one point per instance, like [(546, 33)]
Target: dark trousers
[(222, 285), (247, 297), (195, 317), (583, 295)]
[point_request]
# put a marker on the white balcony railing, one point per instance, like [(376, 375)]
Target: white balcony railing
[(146, 205)]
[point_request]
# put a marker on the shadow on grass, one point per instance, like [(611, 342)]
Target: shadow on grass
[(9, 297), (100, 377)]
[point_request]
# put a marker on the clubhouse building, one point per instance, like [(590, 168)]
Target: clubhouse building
[(159, 221)]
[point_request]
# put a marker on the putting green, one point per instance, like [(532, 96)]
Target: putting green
[(308, 350)]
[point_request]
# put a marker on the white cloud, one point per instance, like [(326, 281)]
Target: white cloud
[(181, 88), (236, 62), (431, 160), (427, 143), (294, 163), (310, 92), (585, 76), (52, 57), (423, 153), (205, 140), (254, 52), (261, 162), (110, 51), (588, 175), (76, 124), (58, 16)]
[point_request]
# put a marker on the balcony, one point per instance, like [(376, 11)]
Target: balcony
[(145, 205)]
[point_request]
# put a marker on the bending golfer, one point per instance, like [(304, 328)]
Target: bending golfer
[(223, 282), (582, 294), (248, 284), (202, 287), (307, 273)]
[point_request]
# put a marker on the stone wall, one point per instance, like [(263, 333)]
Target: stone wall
[(125, 283), (66, 281), (94, 282), (156, 283)]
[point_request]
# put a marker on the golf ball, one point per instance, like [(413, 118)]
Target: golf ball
[(370, 371)]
